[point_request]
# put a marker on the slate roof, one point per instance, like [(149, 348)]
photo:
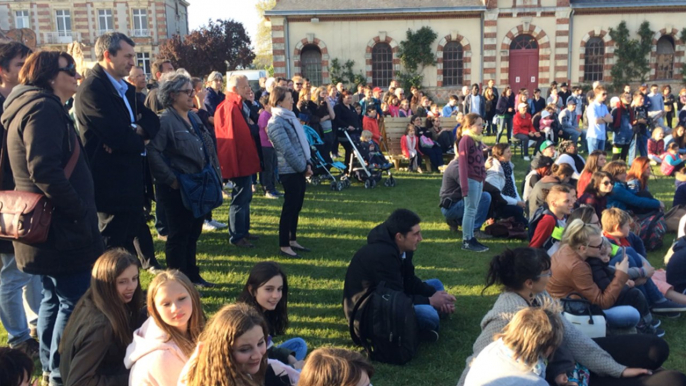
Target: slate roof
[(286, 7)]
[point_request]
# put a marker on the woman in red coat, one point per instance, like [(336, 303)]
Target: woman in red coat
[(523, 129)]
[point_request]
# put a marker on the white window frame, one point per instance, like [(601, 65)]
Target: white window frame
[(106, 16), (140, 22), (65, 15), (143, 61), (23, 16)]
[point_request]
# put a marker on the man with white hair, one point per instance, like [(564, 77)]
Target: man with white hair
[(137, 79), (238, 157)]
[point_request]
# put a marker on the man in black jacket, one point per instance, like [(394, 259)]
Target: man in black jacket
[(115, 126), (388, 257)]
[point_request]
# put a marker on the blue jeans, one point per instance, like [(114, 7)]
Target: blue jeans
[(456, 212), (504, 123), (649, 289), (296, 345), (573, 135), (639, 144), (239, 210), (622, 316), (471, 207), (60, 294), (12, 314), (595, 144), (427, 316)]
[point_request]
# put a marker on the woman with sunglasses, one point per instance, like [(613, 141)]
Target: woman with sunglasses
[(41, 144), (626, 360), (596, 192), (623, 197), (182, 146)]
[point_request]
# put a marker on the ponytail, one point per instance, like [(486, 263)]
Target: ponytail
[(512, 268)]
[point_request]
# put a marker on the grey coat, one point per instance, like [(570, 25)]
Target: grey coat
[(177, 148), (286, 143)]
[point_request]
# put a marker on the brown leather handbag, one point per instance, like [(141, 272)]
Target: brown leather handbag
[(26, 216)]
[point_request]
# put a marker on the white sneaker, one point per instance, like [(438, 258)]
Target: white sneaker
[(527, 158), (218, 225), (207, 226), (229, 185)]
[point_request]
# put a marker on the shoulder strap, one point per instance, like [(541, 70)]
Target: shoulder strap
[(360, 339), (71, 164)]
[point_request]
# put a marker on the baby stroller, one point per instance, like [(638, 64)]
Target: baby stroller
[(321, 171), (370, 175)]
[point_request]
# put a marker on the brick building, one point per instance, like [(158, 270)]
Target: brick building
[(521, 43), (57, 23)]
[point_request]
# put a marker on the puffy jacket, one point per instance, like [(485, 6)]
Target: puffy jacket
[(153, 358), (289, 152), (623, 198)]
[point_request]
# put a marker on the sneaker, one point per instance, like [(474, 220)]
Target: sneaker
[(271, 196), (474, 246), (207, 226), (526, 158), (668, 306), (428, 335), (479, 234), (647, 329), (450, 151), (29, 347), (670, 315), (218, 225), (229, 185), (655, 323)]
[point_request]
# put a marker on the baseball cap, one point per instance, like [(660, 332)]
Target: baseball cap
[(541, 162), (546, 144), (376, 89)]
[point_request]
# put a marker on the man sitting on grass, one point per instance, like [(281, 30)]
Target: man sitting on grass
[(388, 257)]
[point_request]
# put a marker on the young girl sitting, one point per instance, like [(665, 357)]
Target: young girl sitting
[(656, 146), (331, 366), (162, 346), (95, 339), (409, 144), (671, 160), (231, 352), (371, 153), (267, 291)]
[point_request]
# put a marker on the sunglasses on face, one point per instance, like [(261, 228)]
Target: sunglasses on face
[(595, 246), (188, 92), (69, 70), (606, 183)]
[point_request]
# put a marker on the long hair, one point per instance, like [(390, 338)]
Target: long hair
[(593, 187), (615, 168), (680, 139), (562, 171), (512, 267), (329, 366), (592, 161), (260, 274), (105, 297), (584, 213), (638, 171), (186, 342), (534, 332), (215, 365), (577, 233)]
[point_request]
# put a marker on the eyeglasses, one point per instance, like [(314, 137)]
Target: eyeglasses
[(69, 70), (188, 92), (606, 183), (595, 246), (549, 274)]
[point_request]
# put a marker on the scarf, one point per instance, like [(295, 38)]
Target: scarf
[(508, 189), (299, 131), (476, 138)]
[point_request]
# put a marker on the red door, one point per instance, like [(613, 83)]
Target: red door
[(524, 63)]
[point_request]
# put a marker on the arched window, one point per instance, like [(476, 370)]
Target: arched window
[(524, 42), (594, 60), (452, 64), (311, 64), (665, 58), (382, 65)]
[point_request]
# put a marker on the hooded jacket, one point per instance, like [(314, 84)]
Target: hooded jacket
[(40, 141), (380, 260), (153, 358)]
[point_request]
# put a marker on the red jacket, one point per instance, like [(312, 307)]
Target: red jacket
[(522, 125), (405, 150), (372, 125), (236, 147)]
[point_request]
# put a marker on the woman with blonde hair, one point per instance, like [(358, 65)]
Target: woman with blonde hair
[(94, 341), (519, 354), (329, 366), (232, 352), (167, 339)]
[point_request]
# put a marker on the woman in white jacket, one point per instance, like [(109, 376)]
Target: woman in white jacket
[(162, 346), (500, 174)]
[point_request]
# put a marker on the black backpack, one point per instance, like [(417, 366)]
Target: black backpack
[(383, 321)]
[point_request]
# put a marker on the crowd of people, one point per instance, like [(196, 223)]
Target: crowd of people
[(102, 146)]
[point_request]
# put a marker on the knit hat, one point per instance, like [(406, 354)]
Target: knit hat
[(545, 145)]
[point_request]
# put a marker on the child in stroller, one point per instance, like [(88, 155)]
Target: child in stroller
[(371, 152)]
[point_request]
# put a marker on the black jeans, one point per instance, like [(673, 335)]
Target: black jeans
[(348, 154), (144, 246), (119, 229), (294, 195), (268, 176), (641, 351), (184, 231)]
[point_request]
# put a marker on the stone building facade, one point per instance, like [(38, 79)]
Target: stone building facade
[(57, 23), (520, 43)]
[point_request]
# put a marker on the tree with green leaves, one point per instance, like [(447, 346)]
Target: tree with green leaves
[(344, 73), (632, 55), (221, 45), (415, 54), (264, 56)]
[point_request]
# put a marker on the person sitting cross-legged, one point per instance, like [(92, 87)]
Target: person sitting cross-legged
[(388, 257)]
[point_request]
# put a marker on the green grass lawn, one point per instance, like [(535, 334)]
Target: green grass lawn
[(334, 225)]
